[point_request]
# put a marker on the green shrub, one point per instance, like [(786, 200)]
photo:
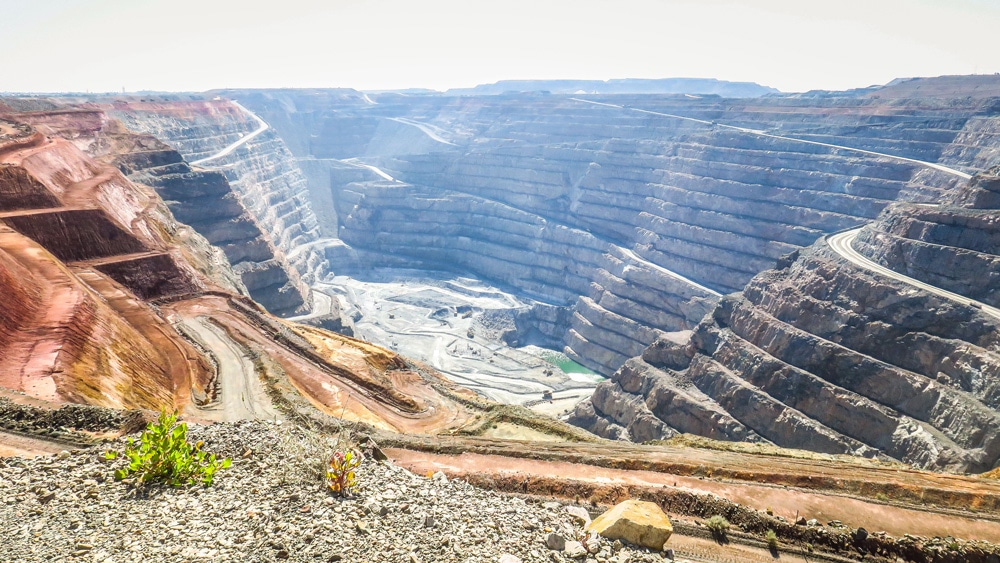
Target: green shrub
[(162, 455), (340, 475), (718, 526), (772, 539)]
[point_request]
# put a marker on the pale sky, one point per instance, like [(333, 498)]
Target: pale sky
[(196, 45)]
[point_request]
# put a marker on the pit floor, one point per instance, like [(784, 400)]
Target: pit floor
[(440, 321)]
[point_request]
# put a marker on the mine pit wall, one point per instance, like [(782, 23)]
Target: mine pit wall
[(152, 277), (977, 145), (61, 338), (60, 166), (260, 209), (550, 262), (273, 189), (955, 246), (823, 356), (616, 306), (196, 129), (709, 203), (19, 190), (100, 358), (75, 235), (253, 207), (205, 201), (20, 297)]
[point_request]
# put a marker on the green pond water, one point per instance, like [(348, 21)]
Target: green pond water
[(569, 366)]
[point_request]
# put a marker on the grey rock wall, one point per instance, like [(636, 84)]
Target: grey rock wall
[(543, 194), (823, 356), (253, 202)]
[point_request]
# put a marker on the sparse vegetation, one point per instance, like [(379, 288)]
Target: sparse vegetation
[(772, 540), (163, 456), (340, 477), (718, 526)]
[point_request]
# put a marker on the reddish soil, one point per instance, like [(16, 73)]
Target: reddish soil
[(861, 478), (149, 275), (46, 303), (19, 190), (86, 326), (12, 445)]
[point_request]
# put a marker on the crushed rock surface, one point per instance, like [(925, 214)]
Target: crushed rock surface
[(268, 508)]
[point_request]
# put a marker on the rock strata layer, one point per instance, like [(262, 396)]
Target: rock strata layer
[(954, 246), (631, 212)]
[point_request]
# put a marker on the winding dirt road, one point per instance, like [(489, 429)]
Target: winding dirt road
[(760, 133), (789, 502), (841, 243), (242, 141), (428, 130), (241, 394)]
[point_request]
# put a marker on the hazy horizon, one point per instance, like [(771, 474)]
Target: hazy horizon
[(193, 46)]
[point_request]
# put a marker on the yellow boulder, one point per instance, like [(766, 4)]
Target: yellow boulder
[(635, 521)]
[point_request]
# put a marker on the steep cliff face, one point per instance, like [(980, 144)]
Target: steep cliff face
[(206, 201), (831, 353), (828, 354), (250, 200), (631, 212), (823, 356)]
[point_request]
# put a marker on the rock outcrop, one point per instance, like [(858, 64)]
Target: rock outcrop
[(206, 201), (635, 521), (954, 246)]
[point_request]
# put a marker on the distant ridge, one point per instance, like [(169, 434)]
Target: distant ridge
[(696, 86), (976, 85)]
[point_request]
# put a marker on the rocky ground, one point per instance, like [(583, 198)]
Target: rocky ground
[(271, 505)]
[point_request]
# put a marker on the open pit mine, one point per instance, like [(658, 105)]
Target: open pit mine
[(780, 308)]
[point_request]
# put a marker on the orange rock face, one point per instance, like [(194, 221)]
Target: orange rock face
[(79, 251), (105, 299)]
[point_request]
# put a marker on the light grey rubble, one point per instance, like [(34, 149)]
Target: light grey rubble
[(268, 507)]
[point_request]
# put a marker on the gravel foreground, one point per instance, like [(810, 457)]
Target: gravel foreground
[(269, 507)]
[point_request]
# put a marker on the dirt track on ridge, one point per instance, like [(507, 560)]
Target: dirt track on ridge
[(783, 501)]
